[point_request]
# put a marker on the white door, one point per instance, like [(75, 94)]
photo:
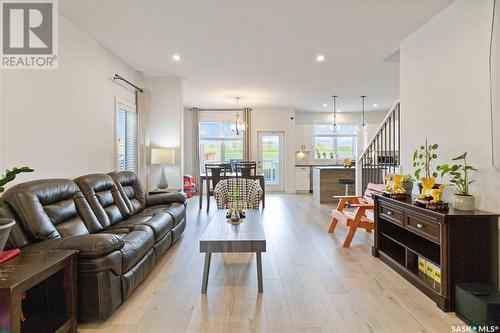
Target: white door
[(271, 160)]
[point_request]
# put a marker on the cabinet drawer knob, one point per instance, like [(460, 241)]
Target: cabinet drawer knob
[(389, 212), (420, 226)]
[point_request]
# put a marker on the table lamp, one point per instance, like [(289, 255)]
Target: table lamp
[(163, 156)]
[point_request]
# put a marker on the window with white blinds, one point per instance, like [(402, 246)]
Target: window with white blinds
[(126, 138)]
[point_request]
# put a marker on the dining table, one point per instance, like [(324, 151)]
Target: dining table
[(259, 177)]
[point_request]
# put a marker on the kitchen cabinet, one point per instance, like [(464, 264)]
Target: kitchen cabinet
[(302, 179), (303, 137)]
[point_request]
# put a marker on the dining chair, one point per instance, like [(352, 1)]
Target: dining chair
[(215, 173), (246, 169), (248, 196), (233, 162)]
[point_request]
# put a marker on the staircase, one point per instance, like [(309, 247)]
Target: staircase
[(382, 155)]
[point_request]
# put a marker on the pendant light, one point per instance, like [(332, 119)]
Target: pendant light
[(363, 123), (238, 125), (333, 127)]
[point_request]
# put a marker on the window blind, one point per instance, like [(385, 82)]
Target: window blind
[(126, 135)]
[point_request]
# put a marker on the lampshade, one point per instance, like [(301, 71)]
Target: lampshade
[(163, 156)]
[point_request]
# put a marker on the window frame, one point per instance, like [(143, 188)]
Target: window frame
[(127, 106), (223, 141), (334, 136)]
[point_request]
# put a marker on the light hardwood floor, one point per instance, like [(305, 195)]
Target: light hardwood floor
[(311, 283)]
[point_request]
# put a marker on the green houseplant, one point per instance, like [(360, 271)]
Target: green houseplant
[(460, 178), (9, 176), (423, 160), (408, 183), (235, 205), (6, 223)]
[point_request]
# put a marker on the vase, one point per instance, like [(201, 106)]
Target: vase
[(235, 216), (464, 202), (408, 186), (5, 226)]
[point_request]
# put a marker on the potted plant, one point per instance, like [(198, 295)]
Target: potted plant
[(459, 177), (408, 183), (423, 163), (5, 223), (236, 210)]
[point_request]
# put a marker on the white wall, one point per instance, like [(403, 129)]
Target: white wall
[(166, 125), (445, 93), (276, 119), (372, 117), (61, 122)]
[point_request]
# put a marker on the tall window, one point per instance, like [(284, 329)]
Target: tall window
[(329, 145), (126, 137), (218, 143)]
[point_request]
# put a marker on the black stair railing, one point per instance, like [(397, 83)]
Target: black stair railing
[(382, 155)]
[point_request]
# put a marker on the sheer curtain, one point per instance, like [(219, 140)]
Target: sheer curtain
[(247, 134), (143, 142), (196, 145)]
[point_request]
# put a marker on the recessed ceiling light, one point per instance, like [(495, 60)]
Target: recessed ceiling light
[(375, 105), (320, 58), (325, 105), (176, 57)]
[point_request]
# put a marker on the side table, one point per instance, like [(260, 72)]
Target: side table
[(48, 279)]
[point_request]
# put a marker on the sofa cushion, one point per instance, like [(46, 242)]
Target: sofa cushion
[(131, 189), (177, 210), (47, 208), (88, 246), (165, 198), (137, 244), (104, 199), (160, 223)]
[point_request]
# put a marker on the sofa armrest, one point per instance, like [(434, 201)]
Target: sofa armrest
[(89, 246), (164, 198)]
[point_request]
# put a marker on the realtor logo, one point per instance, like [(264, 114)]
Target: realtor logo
[(29, 34)]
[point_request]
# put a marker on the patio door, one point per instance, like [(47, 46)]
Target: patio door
[(271, 160)]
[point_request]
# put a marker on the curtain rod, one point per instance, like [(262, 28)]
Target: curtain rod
[(221, 109), (118, 77)]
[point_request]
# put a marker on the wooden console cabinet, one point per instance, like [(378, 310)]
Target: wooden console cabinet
[(462, 245)]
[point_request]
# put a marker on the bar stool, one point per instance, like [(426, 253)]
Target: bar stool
[(346, 182)]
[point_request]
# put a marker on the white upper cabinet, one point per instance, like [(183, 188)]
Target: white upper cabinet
[(303, 137)]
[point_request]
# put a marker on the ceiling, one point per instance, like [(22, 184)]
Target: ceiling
[(263, 51)]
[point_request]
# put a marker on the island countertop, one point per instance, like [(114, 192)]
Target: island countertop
[(326, 182), (333, 167)]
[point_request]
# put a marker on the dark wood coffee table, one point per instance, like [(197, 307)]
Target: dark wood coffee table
[(48, 278), (223, 237)]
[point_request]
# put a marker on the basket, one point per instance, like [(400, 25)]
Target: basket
[(5, 226)]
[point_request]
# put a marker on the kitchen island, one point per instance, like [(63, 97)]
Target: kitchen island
[(326, 184)]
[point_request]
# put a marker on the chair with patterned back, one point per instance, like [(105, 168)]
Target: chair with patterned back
[(241, 192), (215, 173)]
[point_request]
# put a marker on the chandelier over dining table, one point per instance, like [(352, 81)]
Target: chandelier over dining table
[(238, 125)]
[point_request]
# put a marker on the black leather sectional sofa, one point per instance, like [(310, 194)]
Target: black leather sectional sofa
[(119, 230)]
